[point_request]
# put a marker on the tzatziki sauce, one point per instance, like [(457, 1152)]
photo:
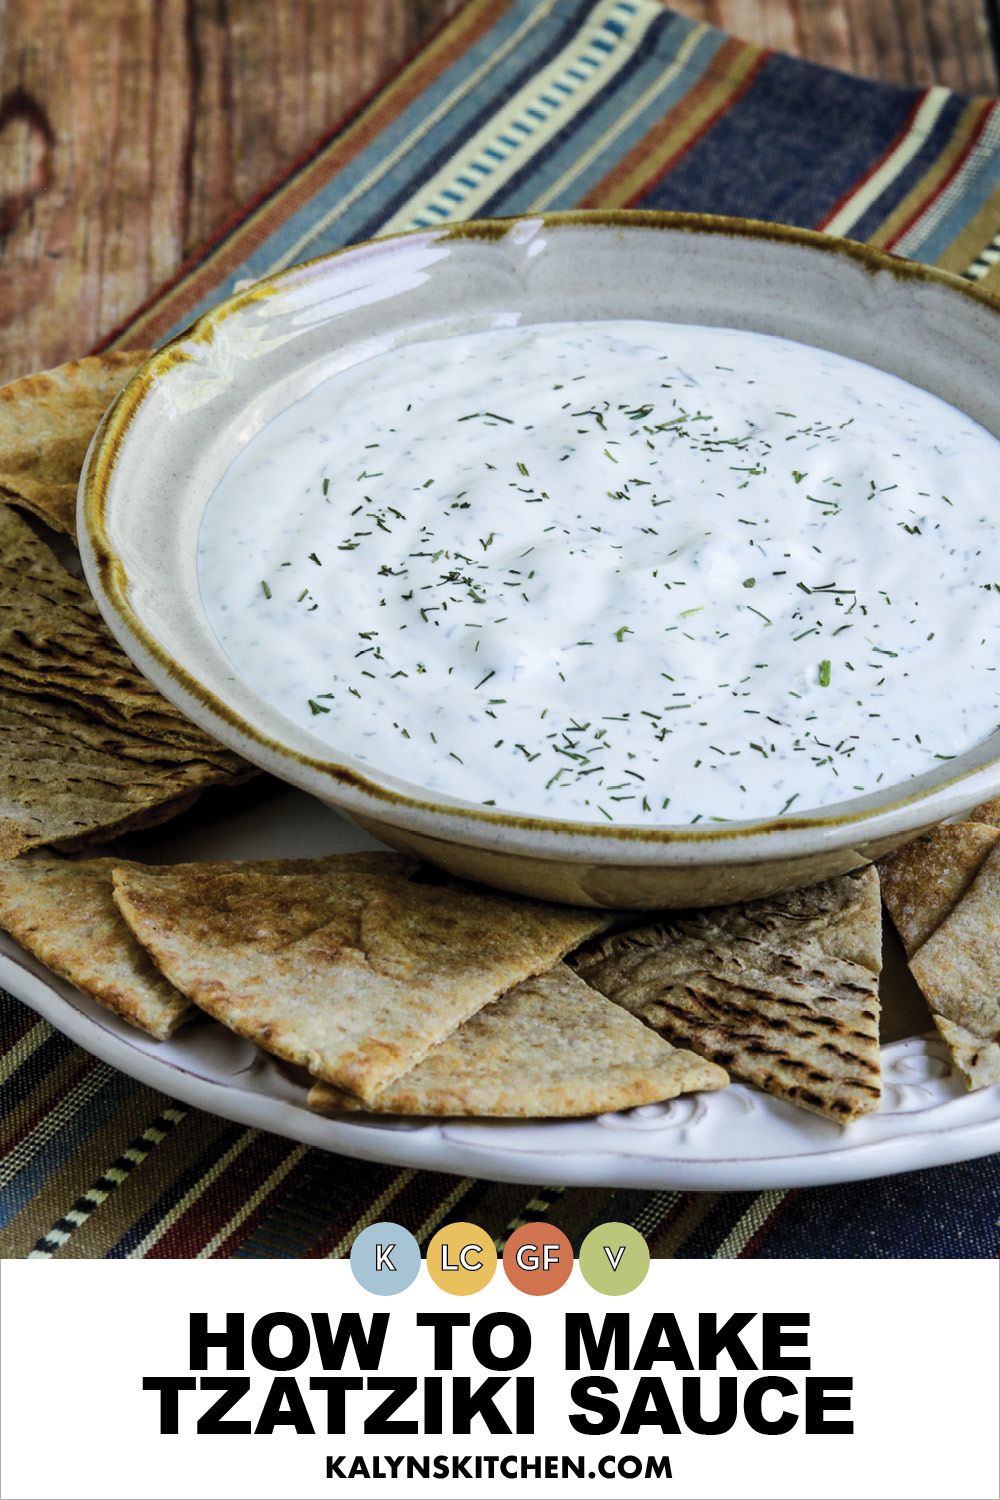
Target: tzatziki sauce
[(624, 571)]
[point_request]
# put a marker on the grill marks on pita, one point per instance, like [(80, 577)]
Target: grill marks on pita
[(943, 894), (783, 993), (551, 1047), (354, 976), (46, 423)]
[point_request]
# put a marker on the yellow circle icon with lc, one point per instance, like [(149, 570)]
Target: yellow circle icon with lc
[(461, 1259)]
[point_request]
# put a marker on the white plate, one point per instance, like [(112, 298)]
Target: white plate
[(735, 1139)]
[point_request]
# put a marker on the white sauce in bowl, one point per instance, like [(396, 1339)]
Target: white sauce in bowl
[(627, 571)]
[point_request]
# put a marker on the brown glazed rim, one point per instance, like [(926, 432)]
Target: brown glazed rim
[(115, 425)]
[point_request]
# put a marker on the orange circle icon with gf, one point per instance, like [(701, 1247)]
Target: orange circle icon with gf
[(538, 1259), (461, 1259)]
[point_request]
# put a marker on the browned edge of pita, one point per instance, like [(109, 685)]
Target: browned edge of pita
[(88, 748), (53, 642), (977, 1060), (550, 1048), (783, 992), (46, 423), (64, 786), (64, 913), (958, 970), (987, 812), (358, 976), (925, 880), (932, 893)]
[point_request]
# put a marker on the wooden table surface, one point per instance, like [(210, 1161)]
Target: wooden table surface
[(130, 128)]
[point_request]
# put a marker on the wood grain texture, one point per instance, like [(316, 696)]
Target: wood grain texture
[(129, 129), (899, 41)]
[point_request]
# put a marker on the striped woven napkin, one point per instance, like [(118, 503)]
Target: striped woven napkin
[(517, 105)]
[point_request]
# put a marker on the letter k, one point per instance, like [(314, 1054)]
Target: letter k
[(383, 1255)]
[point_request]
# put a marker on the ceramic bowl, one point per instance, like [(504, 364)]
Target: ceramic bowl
[(167, 440)]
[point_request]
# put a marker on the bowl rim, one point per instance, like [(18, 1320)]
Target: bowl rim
[(364, 793)]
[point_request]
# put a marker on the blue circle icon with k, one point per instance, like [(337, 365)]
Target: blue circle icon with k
[(385, 1259)]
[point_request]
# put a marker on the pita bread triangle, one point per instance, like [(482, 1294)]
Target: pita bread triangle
[(352, 974), (782, 993), (64, 783), (987, 812), (958, 970), (46, 423), (550, 1047), (63, 912), (943, 896), (87, 746), (54, 642), (925, 880)]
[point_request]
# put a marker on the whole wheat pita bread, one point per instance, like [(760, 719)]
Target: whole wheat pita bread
[(63, 912), (925, 880), (46, 423), (930, 887), (550, 1048), (54, 642), (62, 785), (958, 969), (987, 812), (354, 976), (782, 993), (87, 747), (977, 1060), (257, 874), (251, 908)]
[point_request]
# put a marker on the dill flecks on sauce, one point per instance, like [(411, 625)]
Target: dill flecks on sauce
[(618, 571)]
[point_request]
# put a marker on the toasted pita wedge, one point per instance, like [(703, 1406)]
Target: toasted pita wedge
[(63, 912), (255, 907), (353, 976), (87, 746), (549, 1048), (782, 993), (54, 642), (60, 786), (958, 969), (46, 423), (925, 880), (258, 874), (928, 888), (977, 1060)]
